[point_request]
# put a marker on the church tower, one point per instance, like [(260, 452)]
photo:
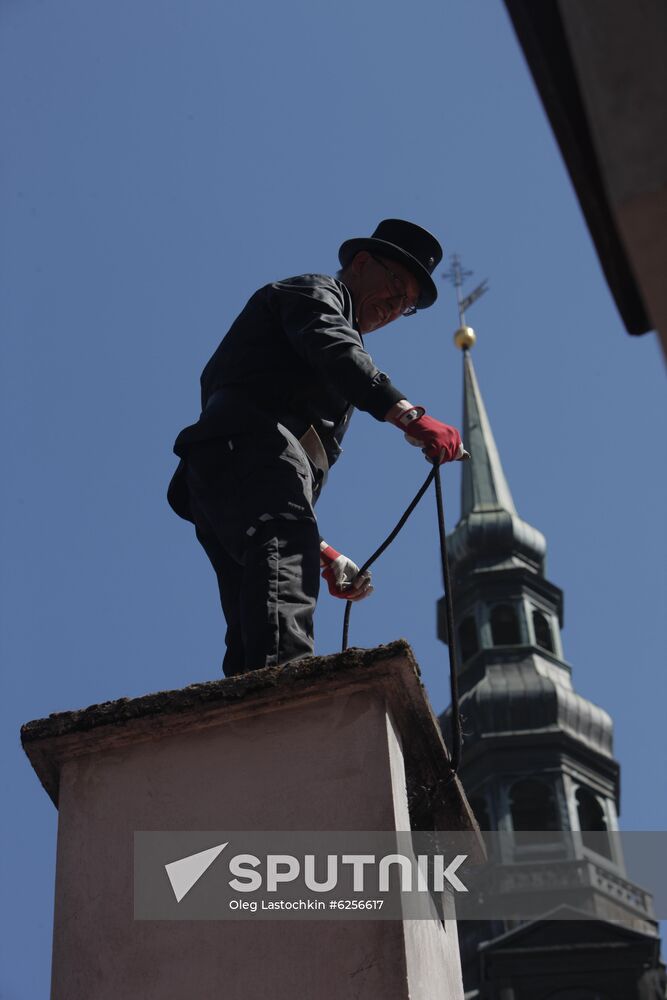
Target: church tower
[(537, 756)]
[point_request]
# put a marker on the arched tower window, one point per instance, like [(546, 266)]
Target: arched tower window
[(533, 807), (468, 638), (543, 636), (481, 811), (592, 822), (504, 625)]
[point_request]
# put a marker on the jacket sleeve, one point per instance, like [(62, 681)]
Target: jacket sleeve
[(313, 312)]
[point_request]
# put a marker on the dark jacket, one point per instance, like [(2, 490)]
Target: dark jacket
[(293, 355)]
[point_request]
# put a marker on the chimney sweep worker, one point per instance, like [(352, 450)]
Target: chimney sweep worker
[(277, 396)]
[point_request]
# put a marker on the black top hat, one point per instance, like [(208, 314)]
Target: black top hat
[(414, 247)]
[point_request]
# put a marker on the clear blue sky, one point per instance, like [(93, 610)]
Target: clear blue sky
[(160, 161)]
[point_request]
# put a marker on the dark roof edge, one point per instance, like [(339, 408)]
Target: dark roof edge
[(539, 29)]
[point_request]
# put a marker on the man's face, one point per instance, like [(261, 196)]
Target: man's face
[(384, 290)]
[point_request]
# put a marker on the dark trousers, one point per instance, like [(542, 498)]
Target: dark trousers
[(251, 498)]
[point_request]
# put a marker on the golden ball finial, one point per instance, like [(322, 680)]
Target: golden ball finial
[(464, 338)]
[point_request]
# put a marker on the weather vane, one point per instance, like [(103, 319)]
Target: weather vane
[(465, 335)]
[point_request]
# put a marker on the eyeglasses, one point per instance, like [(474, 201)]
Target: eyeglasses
[(407, 308)]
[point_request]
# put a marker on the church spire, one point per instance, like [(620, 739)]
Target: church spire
[(483, 482), (537, 755), (490, 533)]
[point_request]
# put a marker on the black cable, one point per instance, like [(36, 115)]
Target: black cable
[(451, 644), (433, 476)]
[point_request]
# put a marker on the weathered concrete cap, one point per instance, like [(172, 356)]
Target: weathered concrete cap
[(435, 795)]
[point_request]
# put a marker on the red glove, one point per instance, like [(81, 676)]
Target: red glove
[(342, 575), (438, 441)]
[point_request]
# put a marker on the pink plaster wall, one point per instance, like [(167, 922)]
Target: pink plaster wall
[(319, 765)]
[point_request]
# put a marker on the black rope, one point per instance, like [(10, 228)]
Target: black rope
[(433, 476)]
